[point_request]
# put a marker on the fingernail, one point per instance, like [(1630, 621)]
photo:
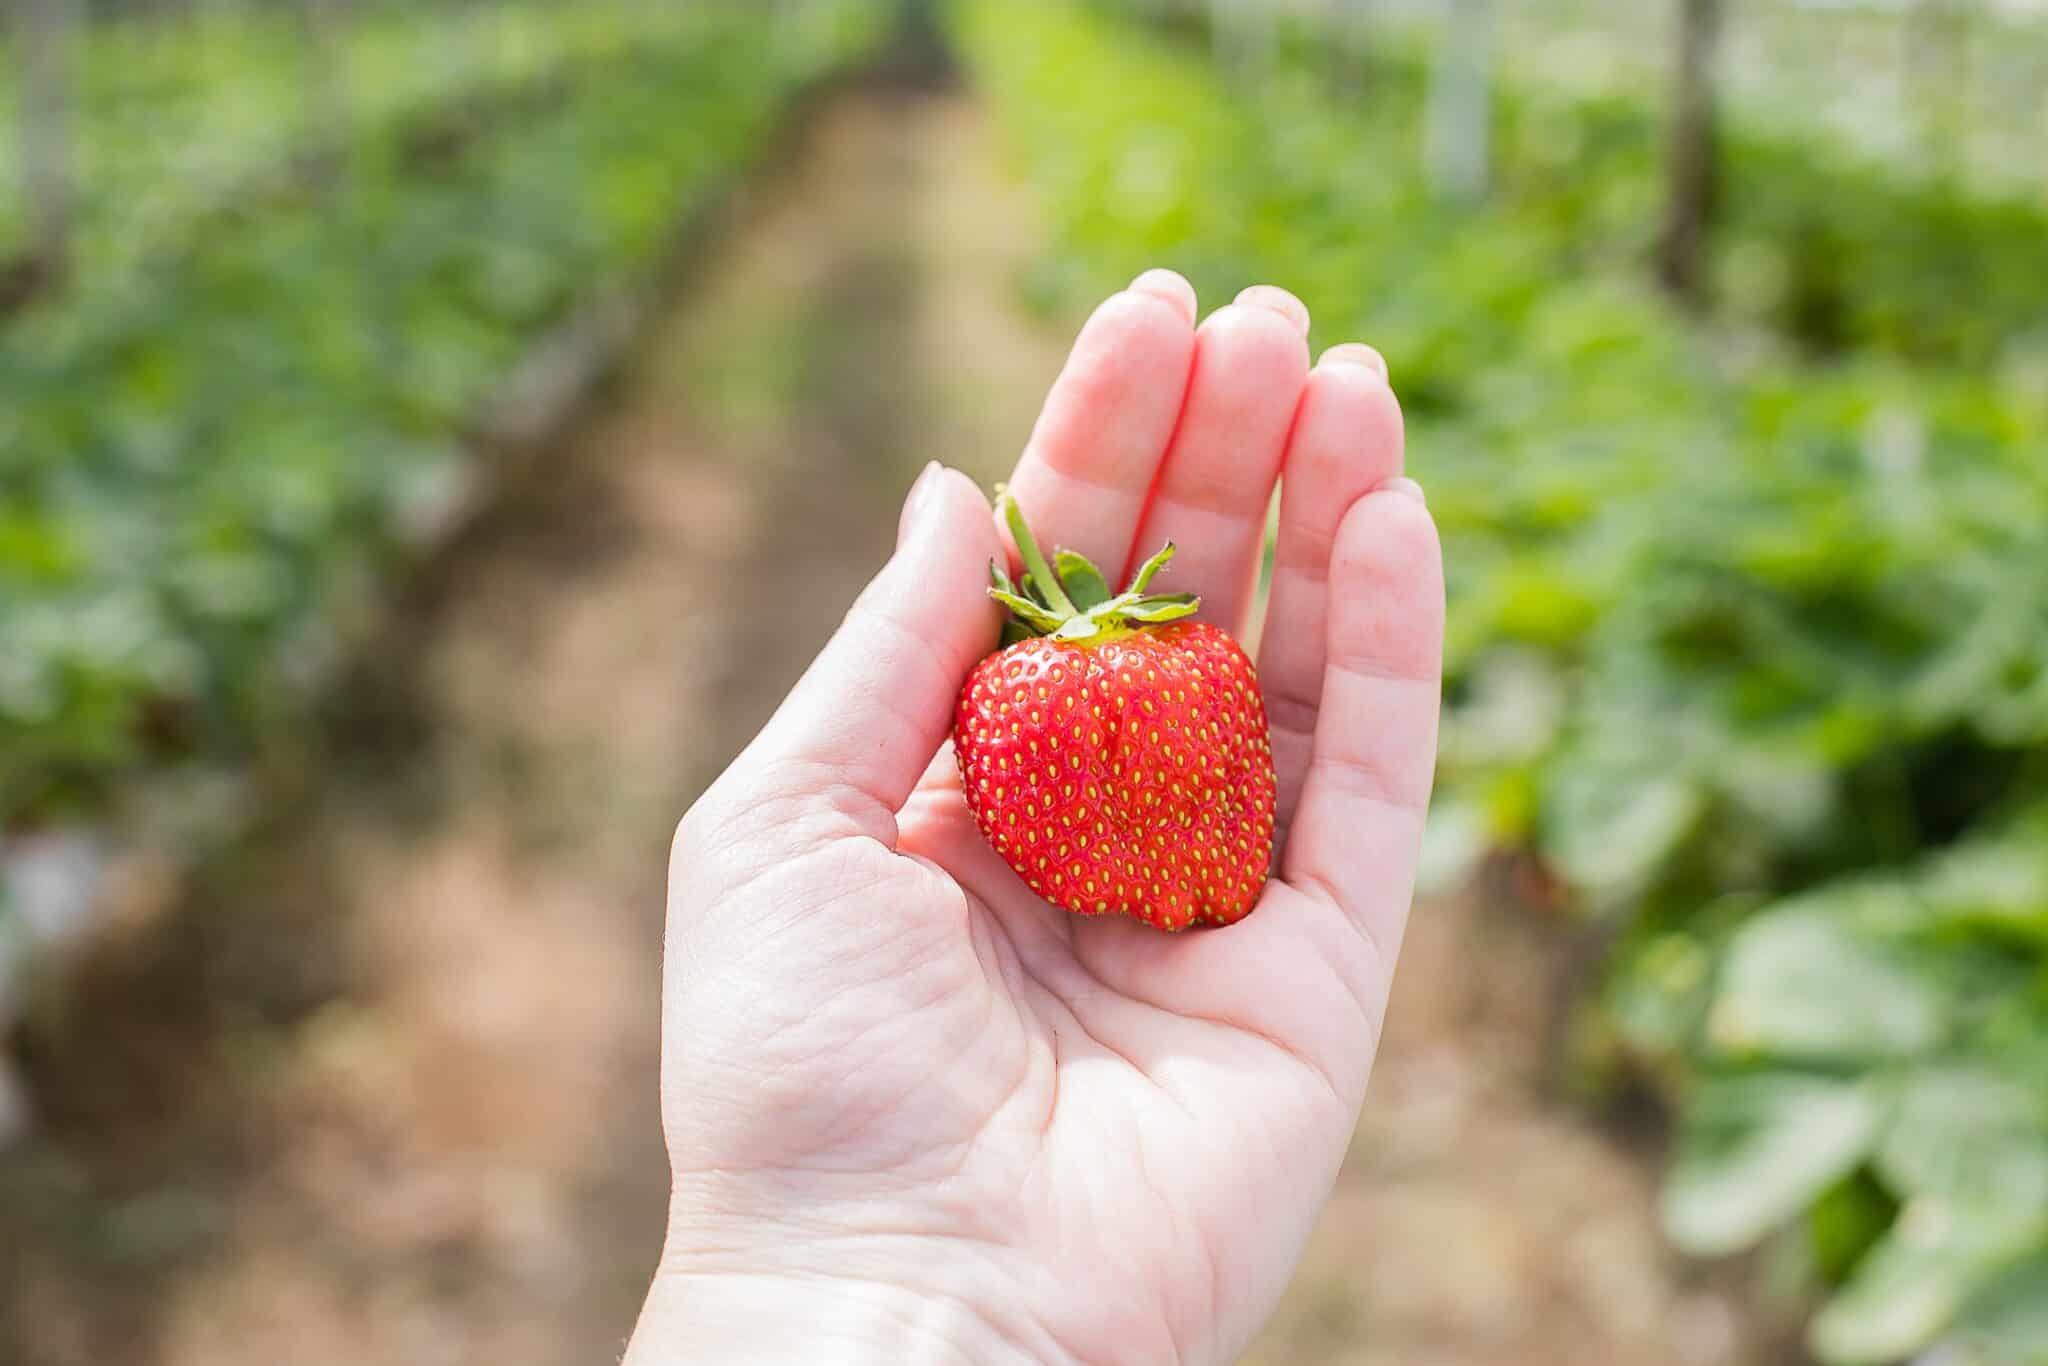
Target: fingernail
[(1170, 287), (1401, 484), (1355, 353), (1280, 301), (918, 504)]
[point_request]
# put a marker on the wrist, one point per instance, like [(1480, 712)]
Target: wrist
[(814, 1296), (692, 1317)]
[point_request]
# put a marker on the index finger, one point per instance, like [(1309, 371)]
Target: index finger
[(1087, 471)]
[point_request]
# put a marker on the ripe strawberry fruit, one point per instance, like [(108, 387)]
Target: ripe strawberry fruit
[(1114, 753)]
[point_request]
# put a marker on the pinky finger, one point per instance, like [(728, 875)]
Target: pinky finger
[(1358, 832)]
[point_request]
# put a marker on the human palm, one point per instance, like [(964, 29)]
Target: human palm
[(915, 1112)]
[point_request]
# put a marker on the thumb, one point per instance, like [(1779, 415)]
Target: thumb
[(861, 726)]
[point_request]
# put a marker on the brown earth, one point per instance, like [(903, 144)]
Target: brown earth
[(380, 1085)]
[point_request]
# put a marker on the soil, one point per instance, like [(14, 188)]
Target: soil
[(378, 1085)]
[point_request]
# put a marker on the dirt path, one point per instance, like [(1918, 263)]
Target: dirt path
[(382, 1090)]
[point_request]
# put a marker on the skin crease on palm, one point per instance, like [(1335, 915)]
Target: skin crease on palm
[(915, 1114)]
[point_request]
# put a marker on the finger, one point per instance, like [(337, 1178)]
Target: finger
[(1356, 353), (1346, 441), (1171, 288), (1358, 829), (1212, 495), (1280, 301), (853, 737), (1091, 460)]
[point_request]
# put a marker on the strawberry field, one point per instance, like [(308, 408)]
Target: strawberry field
[(434, 435)]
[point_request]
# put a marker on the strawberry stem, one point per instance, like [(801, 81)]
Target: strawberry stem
[(1074, 602), (1048, 583)]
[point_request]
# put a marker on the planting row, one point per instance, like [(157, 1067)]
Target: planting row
[(199, 459)]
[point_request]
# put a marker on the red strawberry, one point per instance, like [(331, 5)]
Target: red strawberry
[(1120, 764)]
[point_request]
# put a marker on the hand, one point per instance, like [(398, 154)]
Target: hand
[(917, 1114)]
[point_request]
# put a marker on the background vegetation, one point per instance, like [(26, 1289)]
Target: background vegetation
[(302, 260)]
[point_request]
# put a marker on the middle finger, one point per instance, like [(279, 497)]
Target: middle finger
[(1251, 360)]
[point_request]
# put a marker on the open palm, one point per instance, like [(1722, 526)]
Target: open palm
[(916, 1111)]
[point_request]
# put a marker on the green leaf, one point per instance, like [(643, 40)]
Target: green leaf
[(1110, 610), (1658, 991), (1802, 983), (1909, 1290), (2007, 1320), (1141, 580), (1756, 1149), (1611, 828), (1027, 610), (1971, 1136), (1082, 580), (1997, 883), (1164, 608)]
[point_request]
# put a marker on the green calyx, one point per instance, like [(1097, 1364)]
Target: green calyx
[(1068, 599)]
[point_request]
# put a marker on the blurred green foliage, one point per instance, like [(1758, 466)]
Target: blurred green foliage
[(1749, 623), (191, 113), (200, 458)]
